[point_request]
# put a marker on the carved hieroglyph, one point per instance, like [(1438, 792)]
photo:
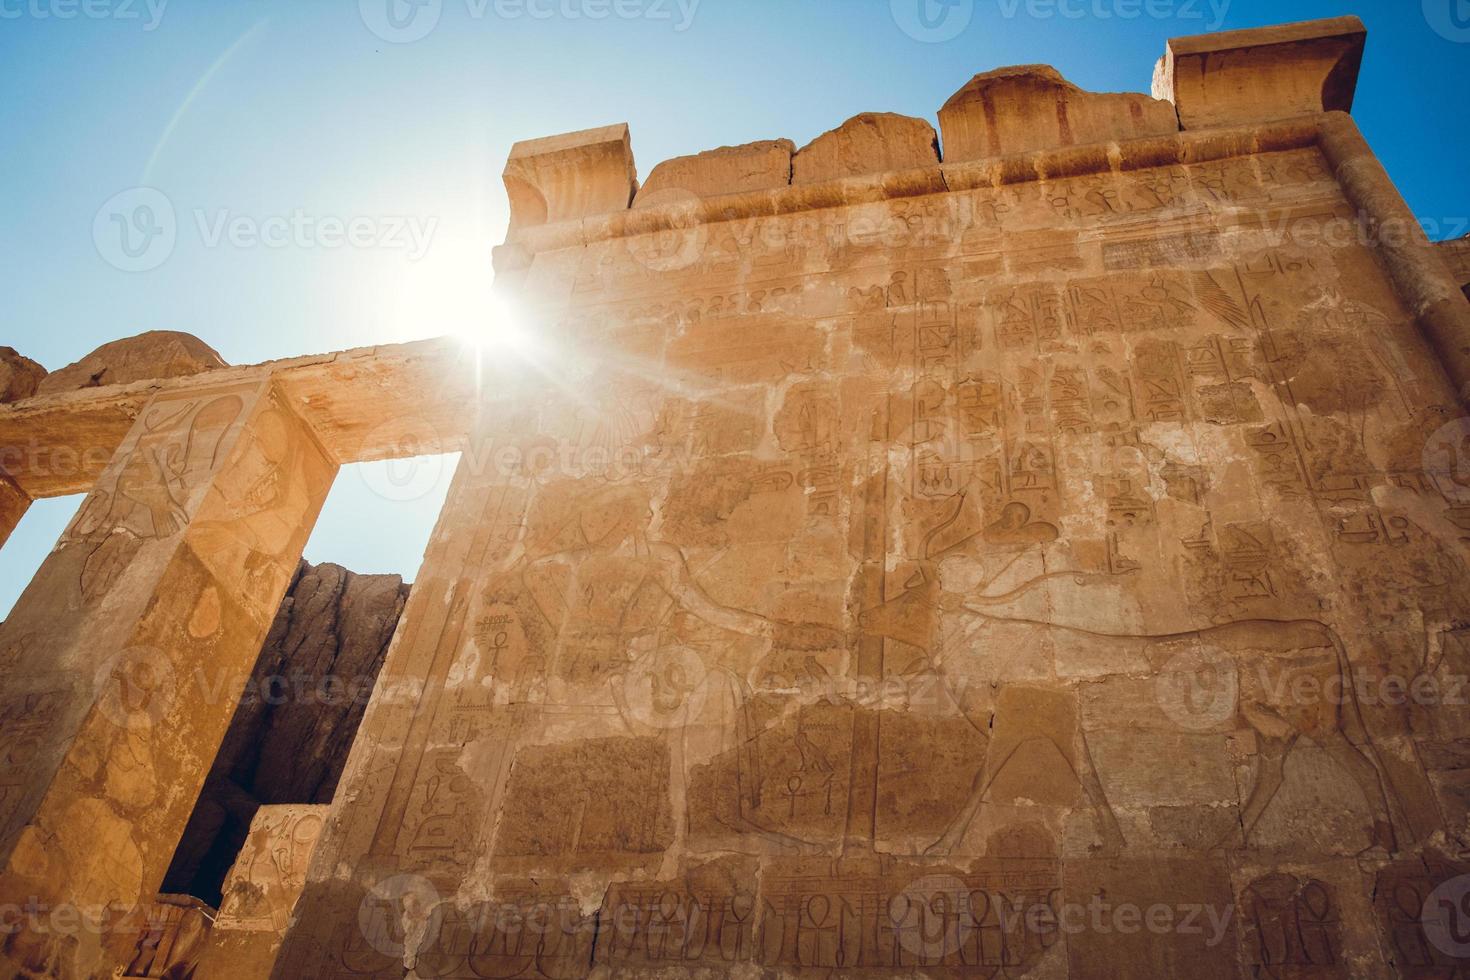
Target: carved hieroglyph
[(1046, 564), (126, 655), (1041, 545)]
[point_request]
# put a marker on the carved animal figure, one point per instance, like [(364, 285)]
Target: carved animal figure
[(1260, 661)]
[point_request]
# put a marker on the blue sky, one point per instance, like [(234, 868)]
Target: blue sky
[(272, 127)]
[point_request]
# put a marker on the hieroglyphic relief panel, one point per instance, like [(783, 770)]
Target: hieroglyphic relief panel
[(176, 563), (1003, 549), (128, 524)]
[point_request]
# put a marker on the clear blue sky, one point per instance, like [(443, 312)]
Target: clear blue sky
[(261, 109)]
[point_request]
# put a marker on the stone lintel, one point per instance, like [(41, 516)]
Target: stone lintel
[(363, 404), (569, 176), (1262, 74)]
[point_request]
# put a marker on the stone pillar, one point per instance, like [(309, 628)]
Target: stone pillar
[(405, 819), (13, 506), (126, 655)]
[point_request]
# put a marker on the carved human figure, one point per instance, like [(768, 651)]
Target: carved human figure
[(146, 493), (1259, 657), (624, 608)]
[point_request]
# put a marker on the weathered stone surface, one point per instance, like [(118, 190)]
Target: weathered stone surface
[(1032, 107), (1053, 569), (755, 166), (260, 892), (869, 143), (13, 505), (126, 658), (567, 177), (172, 934), (1262, 73), (1457, 254), (289, 738), (19, 375), (156, 354)]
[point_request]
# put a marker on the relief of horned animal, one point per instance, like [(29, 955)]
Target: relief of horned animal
[(1258, 665), (638, 642)]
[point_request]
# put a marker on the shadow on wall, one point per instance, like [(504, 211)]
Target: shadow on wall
[(290, 736)]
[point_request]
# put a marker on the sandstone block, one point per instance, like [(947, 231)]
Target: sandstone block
[(570, 176), (1032, 107), (155, 354), (758, 166), (1256, 75), (19, 375), (869, 143)]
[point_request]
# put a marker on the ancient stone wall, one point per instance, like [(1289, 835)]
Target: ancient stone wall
[(953, 567), (288, 740), (1040, 555)]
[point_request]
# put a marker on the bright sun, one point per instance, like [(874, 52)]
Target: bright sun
[(450, 293)]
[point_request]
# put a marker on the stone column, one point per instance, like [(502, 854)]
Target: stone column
[(13, 506), (126, 656), (395, 784)]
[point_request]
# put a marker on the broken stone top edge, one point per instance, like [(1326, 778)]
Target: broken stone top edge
[(590, 174)]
